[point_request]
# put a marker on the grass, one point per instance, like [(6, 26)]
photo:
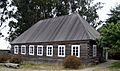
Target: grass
[(34, 67), (37, 67), (115, 66), (46, 67), (41, 67)]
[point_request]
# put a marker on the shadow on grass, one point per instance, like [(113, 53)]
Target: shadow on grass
[(115, 66)]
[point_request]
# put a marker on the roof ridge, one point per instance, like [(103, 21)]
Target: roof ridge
[(86, 27), (62, 28), (83, 23), (92, 29), (57, 17)]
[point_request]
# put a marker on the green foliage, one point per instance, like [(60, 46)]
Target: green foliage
[(110, 37), (115, 56), (5, 12), (16, 59), (31, 11), (71, 62), (115, 15), (110, 32)]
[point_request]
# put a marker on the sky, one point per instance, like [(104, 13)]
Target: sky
[(106, 9), (102, 16)]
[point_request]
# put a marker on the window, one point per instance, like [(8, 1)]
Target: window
[(16, 49), (49, 50), (75, 50), (40, 50), (31, 50), (61, 50), (23, 49), (94, 50)]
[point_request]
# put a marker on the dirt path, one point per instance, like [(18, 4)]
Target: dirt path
[(100, 66)]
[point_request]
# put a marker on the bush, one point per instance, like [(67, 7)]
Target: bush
[(115, 56), (16, 59), (71, 62), (4, 58)]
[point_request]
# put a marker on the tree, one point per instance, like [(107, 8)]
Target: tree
[(83, 7), (31, 11), (89, 12), (115, 15), (7, 11), (110, 37)]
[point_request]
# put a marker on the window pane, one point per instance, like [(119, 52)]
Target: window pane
[(75, 50), (94, 50), (16, 49), (49, 50), (22, 49), (31, 49), (62, 54), (39, 50), (73, 53), (61, 50)]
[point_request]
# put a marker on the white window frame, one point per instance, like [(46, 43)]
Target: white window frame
[(23, 47), (31, 46), (60, 48), (47, 52), (94, 50), (16, 49), (75, 50), (40, 46)]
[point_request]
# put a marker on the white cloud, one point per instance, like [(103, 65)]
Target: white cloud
[(106, 9)]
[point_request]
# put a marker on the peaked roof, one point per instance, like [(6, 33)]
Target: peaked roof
[(63, 28)]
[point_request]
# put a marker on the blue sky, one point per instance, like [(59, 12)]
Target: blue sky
[(102, 16)]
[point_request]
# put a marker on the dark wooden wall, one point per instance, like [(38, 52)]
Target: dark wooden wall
[(85, 52), (90, 52)]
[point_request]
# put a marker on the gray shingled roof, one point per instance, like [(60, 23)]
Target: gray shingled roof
[(63, 28)]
